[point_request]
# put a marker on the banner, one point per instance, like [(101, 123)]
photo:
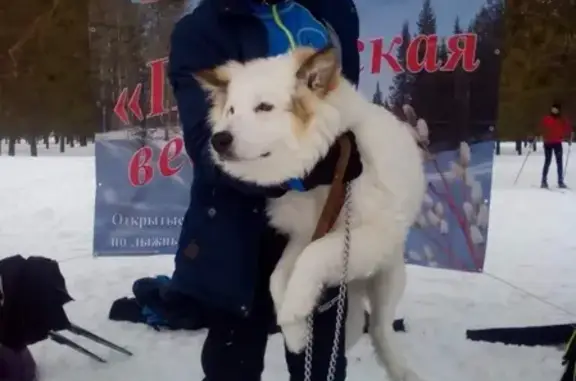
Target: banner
[(444, 62)]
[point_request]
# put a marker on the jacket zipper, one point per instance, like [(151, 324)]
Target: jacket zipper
[(329, 29), (283, 27)]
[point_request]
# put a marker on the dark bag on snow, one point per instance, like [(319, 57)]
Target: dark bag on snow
[(34, 294), (32, 298), (16, 366), (155, 303)]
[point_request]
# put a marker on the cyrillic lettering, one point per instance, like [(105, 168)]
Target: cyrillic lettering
[(140, 171), (172, 150), (157, 86), (422, 54), (378, 54), (360, 45), (117, 219), (462, 47)]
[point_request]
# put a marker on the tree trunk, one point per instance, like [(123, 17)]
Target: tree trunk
[(83, 141), (519, 147), (11, 147), (47, 141), (33, 146), (497, 147), (62, 144), (71, 141)]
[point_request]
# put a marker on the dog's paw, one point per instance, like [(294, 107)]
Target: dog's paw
[(300, 299), (295, 309), (295, 336)]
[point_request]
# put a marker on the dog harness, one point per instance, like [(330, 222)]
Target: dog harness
[(337, 200), (337, 193)]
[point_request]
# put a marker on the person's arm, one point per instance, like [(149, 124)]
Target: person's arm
[(542, 128), (190, 52)]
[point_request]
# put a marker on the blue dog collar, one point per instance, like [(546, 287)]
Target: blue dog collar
[(296, 184)]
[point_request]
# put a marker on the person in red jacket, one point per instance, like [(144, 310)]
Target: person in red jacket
[(555, 129)]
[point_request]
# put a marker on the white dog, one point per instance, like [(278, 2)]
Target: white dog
[(273, 119)]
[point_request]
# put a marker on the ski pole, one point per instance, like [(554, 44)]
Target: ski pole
[(523, 164), (568, 156), (89, 335)]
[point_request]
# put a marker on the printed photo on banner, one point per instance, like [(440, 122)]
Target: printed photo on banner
[(433, 63)]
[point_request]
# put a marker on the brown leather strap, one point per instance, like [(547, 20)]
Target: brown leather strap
[(337, 193)]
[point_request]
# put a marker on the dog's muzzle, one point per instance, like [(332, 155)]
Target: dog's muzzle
[(222, 142)]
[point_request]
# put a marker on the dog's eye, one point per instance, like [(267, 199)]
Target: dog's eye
[(264, 107), (231, 111)]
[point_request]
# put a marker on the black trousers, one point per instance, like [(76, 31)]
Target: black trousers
[(235, 347), (556, 149)]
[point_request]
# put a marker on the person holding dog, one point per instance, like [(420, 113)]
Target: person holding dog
[(227, 251)]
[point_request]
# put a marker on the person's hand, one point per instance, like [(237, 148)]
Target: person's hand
[(323, 172)]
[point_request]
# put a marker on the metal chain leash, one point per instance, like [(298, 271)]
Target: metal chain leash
[(340, 308)]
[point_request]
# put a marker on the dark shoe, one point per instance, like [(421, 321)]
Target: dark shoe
[(544, 185), (561, 185)]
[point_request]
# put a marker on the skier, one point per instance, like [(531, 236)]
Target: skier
[(226, 252), (555, 129)]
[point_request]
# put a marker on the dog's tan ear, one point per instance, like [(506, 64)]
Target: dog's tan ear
[(213, 80), (319, 70)]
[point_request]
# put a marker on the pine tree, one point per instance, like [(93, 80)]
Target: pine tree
[(457, 27), (401, 89), (386, 105), (426, 19), (442, 52), (424, 97), (377, 97)]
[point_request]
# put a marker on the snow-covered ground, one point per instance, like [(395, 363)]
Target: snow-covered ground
[(46, 208)]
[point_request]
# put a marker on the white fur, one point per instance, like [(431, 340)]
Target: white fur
[(385, 199)]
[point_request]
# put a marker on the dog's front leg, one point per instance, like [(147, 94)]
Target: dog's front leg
[(322, 262), (281, 275)]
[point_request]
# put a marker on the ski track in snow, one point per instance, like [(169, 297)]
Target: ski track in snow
[(47, 209)]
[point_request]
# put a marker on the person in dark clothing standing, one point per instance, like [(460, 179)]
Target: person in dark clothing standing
[(555, 129), (226, 251)]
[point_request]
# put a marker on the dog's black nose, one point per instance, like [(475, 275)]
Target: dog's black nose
[(222, 141)]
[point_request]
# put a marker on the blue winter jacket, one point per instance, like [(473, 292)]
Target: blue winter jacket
[(217, 258)]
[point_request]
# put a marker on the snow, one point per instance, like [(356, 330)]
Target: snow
[(46, 206)]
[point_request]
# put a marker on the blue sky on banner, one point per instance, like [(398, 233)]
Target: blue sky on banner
[(384, 18)]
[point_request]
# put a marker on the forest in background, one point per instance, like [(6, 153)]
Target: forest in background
[(63, 64), (457, 105)]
